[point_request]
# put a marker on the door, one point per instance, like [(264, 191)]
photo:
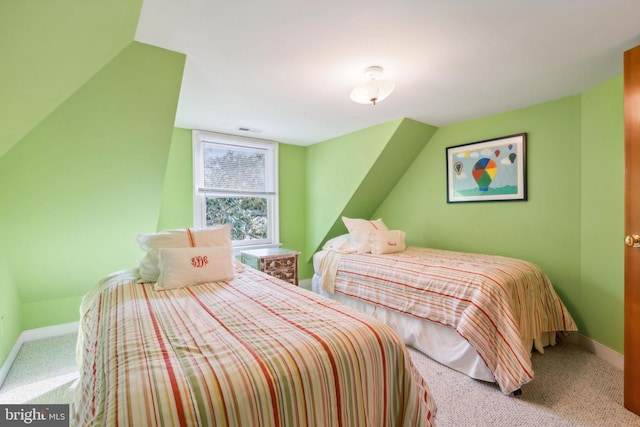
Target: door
[(632, 230)]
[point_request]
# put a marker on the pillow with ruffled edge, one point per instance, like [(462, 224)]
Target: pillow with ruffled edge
[(359, 230), (387, 241), (180, 267), (340, 244), (148, 265)]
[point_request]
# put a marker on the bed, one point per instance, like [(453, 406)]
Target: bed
[(252, 350), (478, 314)]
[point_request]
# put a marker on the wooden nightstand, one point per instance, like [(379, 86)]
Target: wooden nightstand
[(276, 262)]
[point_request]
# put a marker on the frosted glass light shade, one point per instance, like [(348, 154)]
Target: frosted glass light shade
[(373, 90)]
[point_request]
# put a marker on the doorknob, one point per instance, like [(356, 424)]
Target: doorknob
[(632, 240)]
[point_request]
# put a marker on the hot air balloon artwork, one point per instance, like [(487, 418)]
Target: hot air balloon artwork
[(483, 172), (487, 170)]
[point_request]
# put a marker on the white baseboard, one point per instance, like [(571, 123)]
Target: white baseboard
[(605, 353), (32, 335), (6, 366)]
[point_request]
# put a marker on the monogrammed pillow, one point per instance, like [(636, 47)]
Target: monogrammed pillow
[(386, 241), (181, 267), (152, 242)]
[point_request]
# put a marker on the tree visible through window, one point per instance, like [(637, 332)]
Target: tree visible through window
[(235, 184), (247, 214)]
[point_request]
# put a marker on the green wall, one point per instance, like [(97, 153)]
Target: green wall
[(85, 180), (10, 326), (602, 214), (176, 210), (334, 170), (292, 208), (352, 174)]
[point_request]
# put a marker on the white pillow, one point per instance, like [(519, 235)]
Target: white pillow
[(387, 241), (359, 230), (181, 267), (340, 244), (150, 243)]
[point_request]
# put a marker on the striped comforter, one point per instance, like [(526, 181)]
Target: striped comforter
[(253, 351), (498, 304)]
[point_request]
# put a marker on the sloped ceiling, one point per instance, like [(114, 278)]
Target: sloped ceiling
[(50, 49), (365, 166)]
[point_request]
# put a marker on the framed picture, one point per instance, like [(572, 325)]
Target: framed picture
[(490, 170)]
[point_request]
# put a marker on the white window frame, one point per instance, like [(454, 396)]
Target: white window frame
[(200, 140)]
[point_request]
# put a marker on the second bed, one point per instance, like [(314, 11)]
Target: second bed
[(479, 314)]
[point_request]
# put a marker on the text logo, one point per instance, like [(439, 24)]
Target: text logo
[(34, 415)]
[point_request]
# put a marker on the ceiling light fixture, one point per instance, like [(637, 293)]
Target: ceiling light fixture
[(373, 89)]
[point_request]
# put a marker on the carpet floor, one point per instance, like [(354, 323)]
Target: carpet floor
[(571, 388)]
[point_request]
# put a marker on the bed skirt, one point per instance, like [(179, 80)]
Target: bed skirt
[(441, 343)]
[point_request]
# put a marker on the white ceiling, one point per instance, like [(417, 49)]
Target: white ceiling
[(286, 67)]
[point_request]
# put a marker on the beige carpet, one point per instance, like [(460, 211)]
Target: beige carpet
[(571, 388), (44, 372)]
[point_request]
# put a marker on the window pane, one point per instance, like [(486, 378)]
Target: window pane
[(237, 169), (236, 182), (247, 214)]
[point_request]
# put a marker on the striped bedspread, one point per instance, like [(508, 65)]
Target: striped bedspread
[(254, 351), (498, 304)]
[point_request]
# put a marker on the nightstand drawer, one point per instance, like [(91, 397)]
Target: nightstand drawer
[(280, 263)]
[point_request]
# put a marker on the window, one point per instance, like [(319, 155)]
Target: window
[(235, 181)]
